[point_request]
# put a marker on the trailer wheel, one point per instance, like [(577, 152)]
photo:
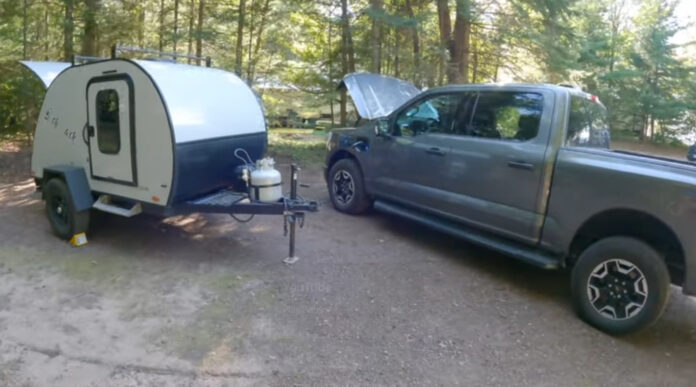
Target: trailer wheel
[(620, 285), (60, 208), (346, 187)]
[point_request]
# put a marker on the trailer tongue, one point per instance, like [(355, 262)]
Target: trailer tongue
[(227, 201)]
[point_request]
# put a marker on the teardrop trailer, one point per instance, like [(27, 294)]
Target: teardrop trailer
[(128, 136)]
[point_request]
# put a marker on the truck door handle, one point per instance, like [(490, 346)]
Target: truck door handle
[(520, 165), (435, 151)]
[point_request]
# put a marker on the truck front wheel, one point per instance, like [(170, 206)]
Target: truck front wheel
[(620, 285), (60, 209), (346, 187)]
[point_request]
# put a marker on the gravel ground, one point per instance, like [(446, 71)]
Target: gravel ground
[(373, 300)]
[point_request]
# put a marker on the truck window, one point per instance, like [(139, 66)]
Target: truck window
[(434, 115), (108, 122), (587, 124), (505, 115)]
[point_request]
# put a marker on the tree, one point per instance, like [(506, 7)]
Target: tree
[(199, 30), (656, 65), (238, 54), (68, 29), (456, 44), (376, 12), (89, 37), (347, 56), (175, 37)]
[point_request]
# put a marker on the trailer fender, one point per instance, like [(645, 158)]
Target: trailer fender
[(76, 180)]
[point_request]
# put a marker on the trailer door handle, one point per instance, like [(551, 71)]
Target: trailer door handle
[(90, 131), (518, 164), (435, 151)]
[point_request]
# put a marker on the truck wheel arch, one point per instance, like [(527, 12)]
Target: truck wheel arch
[(340, 155), (632, 223)]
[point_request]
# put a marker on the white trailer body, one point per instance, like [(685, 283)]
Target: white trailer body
[(153, 132)]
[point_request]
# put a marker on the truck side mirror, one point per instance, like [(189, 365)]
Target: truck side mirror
[(382, 128)]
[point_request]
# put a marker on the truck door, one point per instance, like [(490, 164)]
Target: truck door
[(416, 153), (110, 129), (497, 163)]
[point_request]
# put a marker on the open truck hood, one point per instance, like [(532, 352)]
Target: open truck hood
[(377, 95)]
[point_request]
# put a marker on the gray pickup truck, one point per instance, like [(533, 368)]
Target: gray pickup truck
[(526, 170)]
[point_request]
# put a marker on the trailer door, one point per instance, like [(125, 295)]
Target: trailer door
[(110, 129)]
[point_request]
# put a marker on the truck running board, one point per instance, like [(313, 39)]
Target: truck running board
[(105, 204), (512, 249)]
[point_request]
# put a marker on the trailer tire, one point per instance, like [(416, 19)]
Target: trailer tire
[(347, 187), (60, 209), (620, 285)]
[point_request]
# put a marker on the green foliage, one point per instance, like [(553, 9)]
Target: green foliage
[(21, 95), (291, 51)]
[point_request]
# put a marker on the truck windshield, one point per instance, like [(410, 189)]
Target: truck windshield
[(588, 125)]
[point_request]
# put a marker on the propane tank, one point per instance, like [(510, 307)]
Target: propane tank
[(266, 182)]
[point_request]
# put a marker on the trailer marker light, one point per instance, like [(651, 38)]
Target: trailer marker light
[(156, 199)]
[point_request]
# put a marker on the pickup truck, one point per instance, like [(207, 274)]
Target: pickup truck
[(525, 170)]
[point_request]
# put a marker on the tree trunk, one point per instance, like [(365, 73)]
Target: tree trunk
[(240, 35), (161, 26), (252, 23), (474, 68), (68, 29), (176, 25), (348, 36), (416, 45), (397, 41), (199, 30), (347, 56), (377, 8), (259, 39), (445, 26), (461, 43), (141, 25), (330, 66), (89, 39), (45, 31), (24, 29), (192, 16), (455, 45)]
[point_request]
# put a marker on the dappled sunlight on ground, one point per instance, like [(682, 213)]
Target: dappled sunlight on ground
[(11, 146), (189, 223), (21, 193), (201, 299)]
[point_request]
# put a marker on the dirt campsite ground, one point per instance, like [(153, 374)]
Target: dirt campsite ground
[(374, 300)]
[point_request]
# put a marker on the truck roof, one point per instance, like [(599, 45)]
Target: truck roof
[(502, 86)]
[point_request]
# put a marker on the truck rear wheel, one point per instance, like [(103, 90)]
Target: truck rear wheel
[(347, 187), (620, 285), (60, 209)]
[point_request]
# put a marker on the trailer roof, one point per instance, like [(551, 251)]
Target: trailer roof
[(46, 71), (205, 103)]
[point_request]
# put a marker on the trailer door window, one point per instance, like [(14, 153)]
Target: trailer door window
[(108, 122)]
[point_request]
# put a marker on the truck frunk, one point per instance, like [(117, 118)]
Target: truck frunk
[(526, 170)]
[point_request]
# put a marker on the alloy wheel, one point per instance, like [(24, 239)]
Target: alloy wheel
[(617, 289), (343, 186)]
